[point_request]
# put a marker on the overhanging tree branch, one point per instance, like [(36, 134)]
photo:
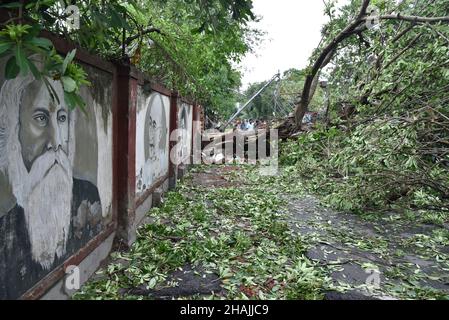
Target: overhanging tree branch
[(326, 54), (355, 27), (140, 34), (415, 19)]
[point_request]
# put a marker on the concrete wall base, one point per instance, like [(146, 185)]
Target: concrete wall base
[(172, 181), (143, 209), (86, 269)]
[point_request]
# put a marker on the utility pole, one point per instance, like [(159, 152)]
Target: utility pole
[(276, 76)]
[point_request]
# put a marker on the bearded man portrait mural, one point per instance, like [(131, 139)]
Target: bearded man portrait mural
[(46, 213), (151, 139), (185, 132)]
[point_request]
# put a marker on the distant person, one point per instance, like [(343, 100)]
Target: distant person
[(244, 125), (237, 124), (251, 125)]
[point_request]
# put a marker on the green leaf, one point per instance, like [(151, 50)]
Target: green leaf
[(11, 69), (152, 283), (34, 70), (116, 19), (69, 84), (42, 43), (51, 90), (68, 59), (80, 102), (4, 54), (5, 47), (74, 100), (22, 60), (69, 98), (32, 33)]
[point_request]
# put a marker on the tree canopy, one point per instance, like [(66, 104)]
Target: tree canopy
[(371, 31), (189, 45), (387, 143)]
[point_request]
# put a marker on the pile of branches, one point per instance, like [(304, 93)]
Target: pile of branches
[(386, 145), (399, 162)]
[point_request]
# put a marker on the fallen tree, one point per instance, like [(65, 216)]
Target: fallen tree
[(386, 146), (356, 27)]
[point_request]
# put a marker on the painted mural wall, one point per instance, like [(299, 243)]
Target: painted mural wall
[(184, 131), (55, 176), (152, 139)]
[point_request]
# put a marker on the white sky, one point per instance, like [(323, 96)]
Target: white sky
[(293, 30)]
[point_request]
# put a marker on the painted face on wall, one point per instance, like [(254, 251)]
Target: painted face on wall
[(155, 131), (152, 134), (38, 164), (44, 123), (183, 133)]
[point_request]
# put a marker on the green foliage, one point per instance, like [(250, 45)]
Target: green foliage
[(390, 151), (376, 167), (27, 52), (197, 52), (237, 232), (194, 49)]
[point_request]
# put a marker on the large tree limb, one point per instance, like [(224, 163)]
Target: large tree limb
[(415, 19), (326, 54), (142, 33), (355, 27)]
